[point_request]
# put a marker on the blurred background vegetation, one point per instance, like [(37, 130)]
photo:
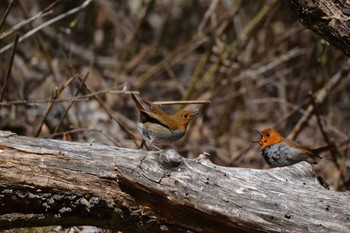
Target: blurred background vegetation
[(253, 59)]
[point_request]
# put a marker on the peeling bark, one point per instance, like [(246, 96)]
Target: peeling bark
[(52, 182), (328, 19)]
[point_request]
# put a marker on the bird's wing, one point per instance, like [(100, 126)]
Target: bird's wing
[(306, 149), (164, 120), (157, 110)]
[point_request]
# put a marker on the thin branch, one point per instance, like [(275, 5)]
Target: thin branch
[(70, 104), (319, 122), (245, 34), (55, 95), (181, 102), (320, 98), (207, 15), (42, 46), (142, 17), (176, 57), (334, 152), (38, 102), (23, 23), (3, 19), (48, 23), (9, 68), (110, 114), (74, 99)]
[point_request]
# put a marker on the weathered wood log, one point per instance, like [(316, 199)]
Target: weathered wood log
[(328, 19), (52, 182)]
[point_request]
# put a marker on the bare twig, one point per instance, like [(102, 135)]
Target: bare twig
[(4, 85), (55, 95), (70, 104), (243, 38), (142, 17), (320, 97), (3, 19), (49, 22), (334, 151), (319, 122), (43, 13), (74, 99), (259, 84), (259, 69), (23, 23), (38, 102), (207, 15), (172, 59), (196, 76), (42, 46), (182, 102), (110, 114), (176, 80), (257, 20)]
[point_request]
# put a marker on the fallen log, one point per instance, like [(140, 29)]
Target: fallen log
[(52, 182)]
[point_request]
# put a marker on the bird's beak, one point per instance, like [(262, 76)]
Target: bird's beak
[(258, 132)]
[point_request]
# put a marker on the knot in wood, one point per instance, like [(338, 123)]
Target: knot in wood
[(172, 158)]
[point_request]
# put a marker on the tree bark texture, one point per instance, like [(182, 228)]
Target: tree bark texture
[(328, 19), (52, 182)]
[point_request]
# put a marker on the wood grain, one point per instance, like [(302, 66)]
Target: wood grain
[(52, 182), (328, 19)]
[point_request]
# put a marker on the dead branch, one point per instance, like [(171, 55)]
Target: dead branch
[(49, 22), (320, 97), (328, 19), (8, 73), (52, 182), (3, 18)]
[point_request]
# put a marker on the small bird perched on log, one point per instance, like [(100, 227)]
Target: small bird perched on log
[(278, 151), (159, 128)]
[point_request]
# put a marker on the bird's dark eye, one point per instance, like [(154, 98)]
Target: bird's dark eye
[(186, 116), (268, 134)]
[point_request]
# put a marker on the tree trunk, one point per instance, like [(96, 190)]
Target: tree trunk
[(328, 19), (52, 182)]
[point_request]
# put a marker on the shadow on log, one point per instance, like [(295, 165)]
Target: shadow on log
[(52, 182)]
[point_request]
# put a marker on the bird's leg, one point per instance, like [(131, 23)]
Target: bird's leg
[(143, 143)]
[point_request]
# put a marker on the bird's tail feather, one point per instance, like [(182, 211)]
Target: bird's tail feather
[(137, 102), (318, 151)]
